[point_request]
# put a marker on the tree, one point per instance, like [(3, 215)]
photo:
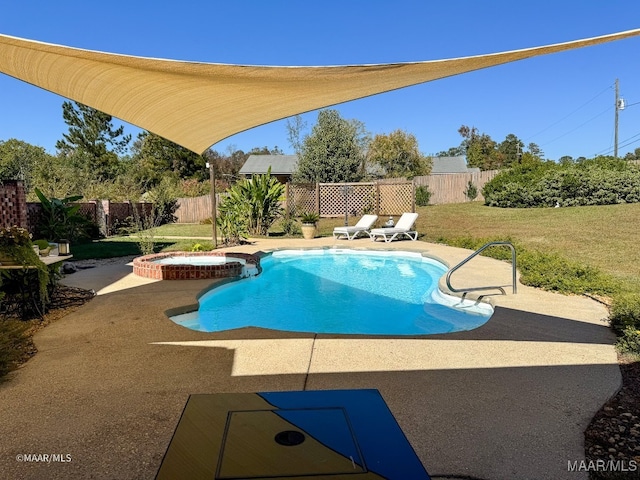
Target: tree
[(535, 150), (295, 128), (398, 154), (452, 152), (510, 151), (635, 155), (18, 160), (157, 155), (92, 132), (333, 152), (60, 176), (266, 151), (480, 149)]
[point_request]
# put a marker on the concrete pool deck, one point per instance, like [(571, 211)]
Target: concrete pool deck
[(509, 400)]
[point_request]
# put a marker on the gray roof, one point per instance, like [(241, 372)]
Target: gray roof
[(443, 165), (280, 164)]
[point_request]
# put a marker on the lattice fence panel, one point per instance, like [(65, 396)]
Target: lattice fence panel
[(302, 198), (88, 210), (395, 198), (382, 198), (361, 199)]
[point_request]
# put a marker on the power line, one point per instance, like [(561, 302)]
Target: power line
[(568, 115), (610, 149), (579, 126), (631, 104)]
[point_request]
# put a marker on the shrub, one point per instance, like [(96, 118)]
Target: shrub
[(144, 230), (423, 195), (553, 272), (164, 201), (232, 221), (290, 226), (256, 202), (625, 311), (600, 181), (629, 341), (15, 243), (201, 247), (60, 219), (471, 192), (548, 271), (14, 237)]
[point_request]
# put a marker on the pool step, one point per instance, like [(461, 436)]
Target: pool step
[(249, 270)]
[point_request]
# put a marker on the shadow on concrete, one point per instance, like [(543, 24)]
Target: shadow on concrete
[(102, 390)]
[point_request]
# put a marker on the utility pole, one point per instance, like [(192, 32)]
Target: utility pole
[(214, 207), (615, 138)]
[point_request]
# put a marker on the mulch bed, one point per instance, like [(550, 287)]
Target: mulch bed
[(613, 436)]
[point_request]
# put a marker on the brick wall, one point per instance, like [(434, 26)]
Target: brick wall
[(13, 204), (14, 209)]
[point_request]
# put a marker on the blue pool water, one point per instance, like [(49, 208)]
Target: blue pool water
[(339, 292)]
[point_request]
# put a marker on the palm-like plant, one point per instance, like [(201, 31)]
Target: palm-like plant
[(60, 217), (256, 202)]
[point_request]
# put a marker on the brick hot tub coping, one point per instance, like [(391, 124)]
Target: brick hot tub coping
[(147, 267)]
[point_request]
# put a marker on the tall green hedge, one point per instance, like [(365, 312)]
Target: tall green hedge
[(599, 181)]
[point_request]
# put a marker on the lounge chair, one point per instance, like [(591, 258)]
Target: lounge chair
[(363, 226), (403, 227)]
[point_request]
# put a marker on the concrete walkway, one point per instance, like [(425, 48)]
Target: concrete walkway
[(509, 400)]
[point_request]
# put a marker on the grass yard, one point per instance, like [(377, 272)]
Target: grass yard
[(600, 236)]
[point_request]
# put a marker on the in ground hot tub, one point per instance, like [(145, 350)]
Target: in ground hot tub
[(196, 265)]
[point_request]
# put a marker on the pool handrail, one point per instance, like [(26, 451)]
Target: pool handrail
[(477, 252)]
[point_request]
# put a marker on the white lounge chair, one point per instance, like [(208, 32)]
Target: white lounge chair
[(363, 226), (403, 227)]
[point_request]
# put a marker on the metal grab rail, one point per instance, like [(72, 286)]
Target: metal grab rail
[(477, 252)]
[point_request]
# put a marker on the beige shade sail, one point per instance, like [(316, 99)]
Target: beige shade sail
[(198, 104)]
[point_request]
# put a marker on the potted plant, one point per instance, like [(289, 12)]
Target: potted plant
[(309, 220), (14, 242)]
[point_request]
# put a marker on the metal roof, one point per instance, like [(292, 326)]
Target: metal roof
[(442, 165), (280, 164)]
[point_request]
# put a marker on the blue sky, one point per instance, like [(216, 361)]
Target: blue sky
[(563, 102)]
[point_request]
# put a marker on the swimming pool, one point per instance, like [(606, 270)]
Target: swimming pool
[(339, 291)]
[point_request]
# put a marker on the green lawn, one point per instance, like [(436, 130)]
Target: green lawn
[(184, 230), (600, 236)]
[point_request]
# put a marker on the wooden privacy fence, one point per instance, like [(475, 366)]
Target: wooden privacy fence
[(383, 197), (334, 199), (450, 188), (195, 209)]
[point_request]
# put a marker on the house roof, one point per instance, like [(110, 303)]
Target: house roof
[(259, 164), (443, 165), (198, 104), (285, 165)]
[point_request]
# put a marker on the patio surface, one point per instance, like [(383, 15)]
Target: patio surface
[(509, 400)]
